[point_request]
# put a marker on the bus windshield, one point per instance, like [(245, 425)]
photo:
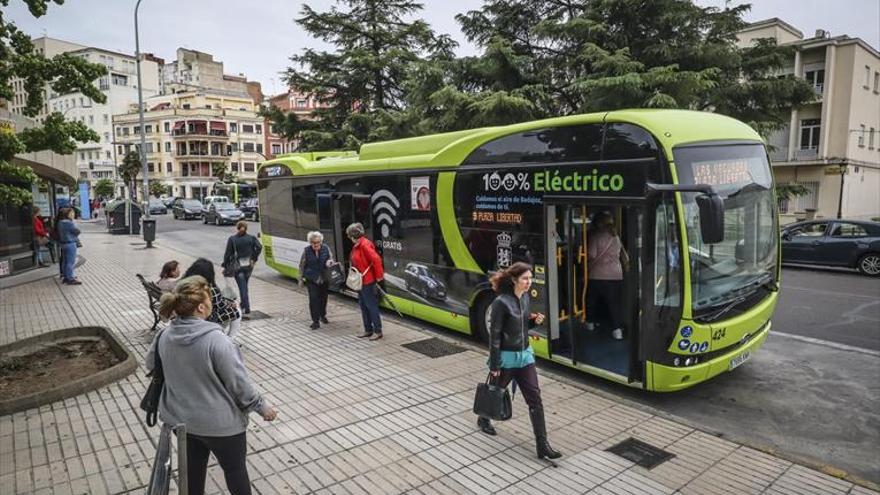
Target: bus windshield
[(727, 273)]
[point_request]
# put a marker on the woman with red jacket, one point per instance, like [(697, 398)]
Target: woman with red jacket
[(367, 261), (41, 237)]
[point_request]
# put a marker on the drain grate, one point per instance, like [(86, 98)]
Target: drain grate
[(256, 315), (434, 347), (641, 453)]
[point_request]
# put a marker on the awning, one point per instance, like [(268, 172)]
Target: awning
[(179, 124), (218, 126)]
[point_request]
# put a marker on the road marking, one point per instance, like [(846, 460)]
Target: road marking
[(826, 343)]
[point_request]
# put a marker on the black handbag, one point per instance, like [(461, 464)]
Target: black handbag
[(150, 402), (493, 402), (334, 277)]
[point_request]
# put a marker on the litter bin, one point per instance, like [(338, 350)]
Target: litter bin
[(115, 212), (149, 230)]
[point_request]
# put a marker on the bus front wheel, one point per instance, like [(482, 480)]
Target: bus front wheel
[(482, 319)]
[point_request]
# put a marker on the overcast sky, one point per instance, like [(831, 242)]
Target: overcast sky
[(256, 38)]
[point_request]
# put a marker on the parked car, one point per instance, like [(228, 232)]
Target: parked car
[(251, 209), (168, 201), (157, 207), (186, 208), (843, 243), (222, 213), (209, 200), (421, 281)]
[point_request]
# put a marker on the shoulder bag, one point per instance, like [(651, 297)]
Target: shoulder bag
[(492, 401), (150, 401), (355, 279)]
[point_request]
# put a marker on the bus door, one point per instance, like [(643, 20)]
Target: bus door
[(346, 210), (585, 311)]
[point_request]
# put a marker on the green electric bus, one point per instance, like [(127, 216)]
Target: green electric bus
[(691, 194), (237, 192)]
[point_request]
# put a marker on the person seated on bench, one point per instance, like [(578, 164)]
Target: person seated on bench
[(168, 277)]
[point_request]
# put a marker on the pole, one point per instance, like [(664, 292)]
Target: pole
[(143, 150)]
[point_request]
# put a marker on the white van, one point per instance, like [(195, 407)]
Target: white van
[(209, 200)]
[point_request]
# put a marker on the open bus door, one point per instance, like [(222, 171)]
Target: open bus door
[(346, 209), (581, 315)]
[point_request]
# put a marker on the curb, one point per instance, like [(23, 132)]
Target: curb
[(75, 387), (80, 260)]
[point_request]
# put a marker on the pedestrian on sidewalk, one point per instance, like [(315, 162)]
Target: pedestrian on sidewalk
[(368, 263), (41, 237), (68, 239), (224, 310), (312, 266), (510, 354), (244, 249), (207, 387), (168, 277)]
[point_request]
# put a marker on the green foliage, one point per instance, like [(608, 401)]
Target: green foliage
[(10, 172), (789, 190), (218, 170), (130, 167), (157, 188), (63, 73), (104, 188)]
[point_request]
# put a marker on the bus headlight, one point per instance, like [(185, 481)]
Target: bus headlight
[(688, 361), (676, 361)]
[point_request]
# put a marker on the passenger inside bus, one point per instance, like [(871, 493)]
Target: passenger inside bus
[(608, 261)]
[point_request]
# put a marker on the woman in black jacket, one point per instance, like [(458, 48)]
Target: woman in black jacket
[(510, 354), (223, 310), (246, 249)]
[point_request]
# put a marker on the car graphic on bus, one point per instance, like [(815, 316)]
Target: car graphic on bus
[(421, 281)]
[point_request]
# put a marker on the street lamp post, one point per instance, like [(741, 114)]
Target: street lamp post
[(143, 150)]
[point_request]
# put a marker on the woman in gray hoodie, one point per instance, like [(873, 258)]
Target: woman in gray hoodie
[(206, 386)]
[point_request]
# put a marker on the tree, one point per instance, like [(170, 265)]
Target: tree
[(104, 188), (287, 125), (157, 188), (65, 74), (787, 191), (219, 170), (129, 170), (362, 80)]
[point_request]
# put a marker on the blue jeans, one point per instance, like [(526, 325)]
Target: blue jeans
[(241, 279), (68, 260), (368, 299)]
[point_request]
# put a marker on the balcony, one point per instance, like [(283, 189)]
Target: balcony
[(780, 154), (806, 154)]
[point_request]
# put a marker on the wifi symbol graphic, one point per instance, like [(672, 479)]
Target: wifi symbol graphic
[(385, 206)]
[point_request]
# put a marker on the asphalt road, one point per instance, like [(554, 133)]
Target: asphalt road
[(810, 394)]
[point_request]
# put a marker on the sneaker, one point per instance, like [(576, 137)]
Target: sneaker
[(315, 325), (364, 335), (617, 334), (324, 320), (74, 282), (591, 326), (376, 336)]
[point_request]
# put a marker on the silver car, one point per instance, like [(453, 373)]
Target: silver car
[(222, 213)]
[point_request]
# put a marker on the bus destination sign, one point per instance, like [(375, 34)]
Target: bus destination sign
[(722, 172)]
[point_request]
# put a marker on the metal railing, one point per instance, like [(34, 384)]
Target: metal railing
[(160, 477)]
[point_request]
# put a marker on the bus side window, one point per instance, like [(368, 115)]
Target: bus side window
[(667, 258), (325, 213), (627, 141)]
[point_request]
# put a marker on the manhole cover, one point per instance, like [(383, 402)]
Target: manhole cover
[(434, 347), (256, 315), (641, 453)]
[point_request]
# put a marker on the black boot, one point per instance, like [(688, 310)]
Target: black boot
[(486, 426), (542, 445)]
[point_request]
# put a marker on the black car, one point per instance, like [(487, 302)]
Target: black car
[(842, 243), (251, 208), (220, 213), (421, 281), (186, 208), (157, 207)]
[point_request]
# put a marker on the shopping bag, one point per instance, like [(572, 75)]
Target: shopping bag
[(493, 402), (228, 290), (334, 276)]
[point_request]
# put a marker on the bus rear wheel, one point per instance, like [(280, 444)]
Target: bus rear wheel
[(482, 320)]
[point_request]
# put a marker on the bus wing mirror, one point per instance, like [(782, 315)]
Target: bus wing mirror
[(711, 208)]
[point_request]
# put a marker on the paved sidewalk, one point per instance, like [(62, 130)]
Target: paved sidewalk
[(355, 416)]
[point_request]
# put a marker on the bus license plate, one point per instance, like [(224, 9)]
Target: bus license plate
[(739, 360)]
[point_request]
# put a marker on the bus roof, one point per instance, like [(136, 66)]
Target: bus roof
[(448, 150)]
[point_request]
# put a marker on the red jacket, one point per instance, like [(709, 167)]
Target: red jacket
[(364, 255), (39, 228)]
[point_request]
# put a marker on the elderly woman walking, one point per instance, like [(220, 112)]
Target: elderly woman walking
[(315, 259), (68, 238), (206, 387), (368, 263)]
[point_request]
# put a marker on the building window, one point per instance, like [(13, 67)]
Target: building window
[(248, 147), (106, 137), (871, 139), (119, 79), (186, 106), (136, 129), (233, 147), (148, 129), (301, 103), (276, 149), (233, 127), (167, 126), (150, 167), (259, 128), (168, 167), (810, 200), (125, 131), (82, 156), (862, 136), (877, 82), (248, 167), (91, 120), (867, 76), (108, 157), (247, 129), (119, 149), (810, 129), (259, 148), (235, 166), (149, 147), (168, 146)]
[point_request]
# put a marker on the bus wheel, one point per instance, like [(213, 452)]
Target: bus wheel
[(481, 318), (869, 265)]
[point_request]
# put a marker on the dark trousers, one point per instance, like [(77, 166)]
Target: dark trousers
[(230, 453), (527, 380), (606, 294), (317, 300), (241, 279), (368, 299)]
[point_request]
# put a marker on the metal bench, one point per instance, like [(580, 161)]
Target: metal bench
[(153, 294)]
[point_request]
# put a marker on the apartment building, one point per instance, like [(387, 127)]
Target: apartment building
[(832, 145), (95, 161), (192, 135), (303, 105)]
